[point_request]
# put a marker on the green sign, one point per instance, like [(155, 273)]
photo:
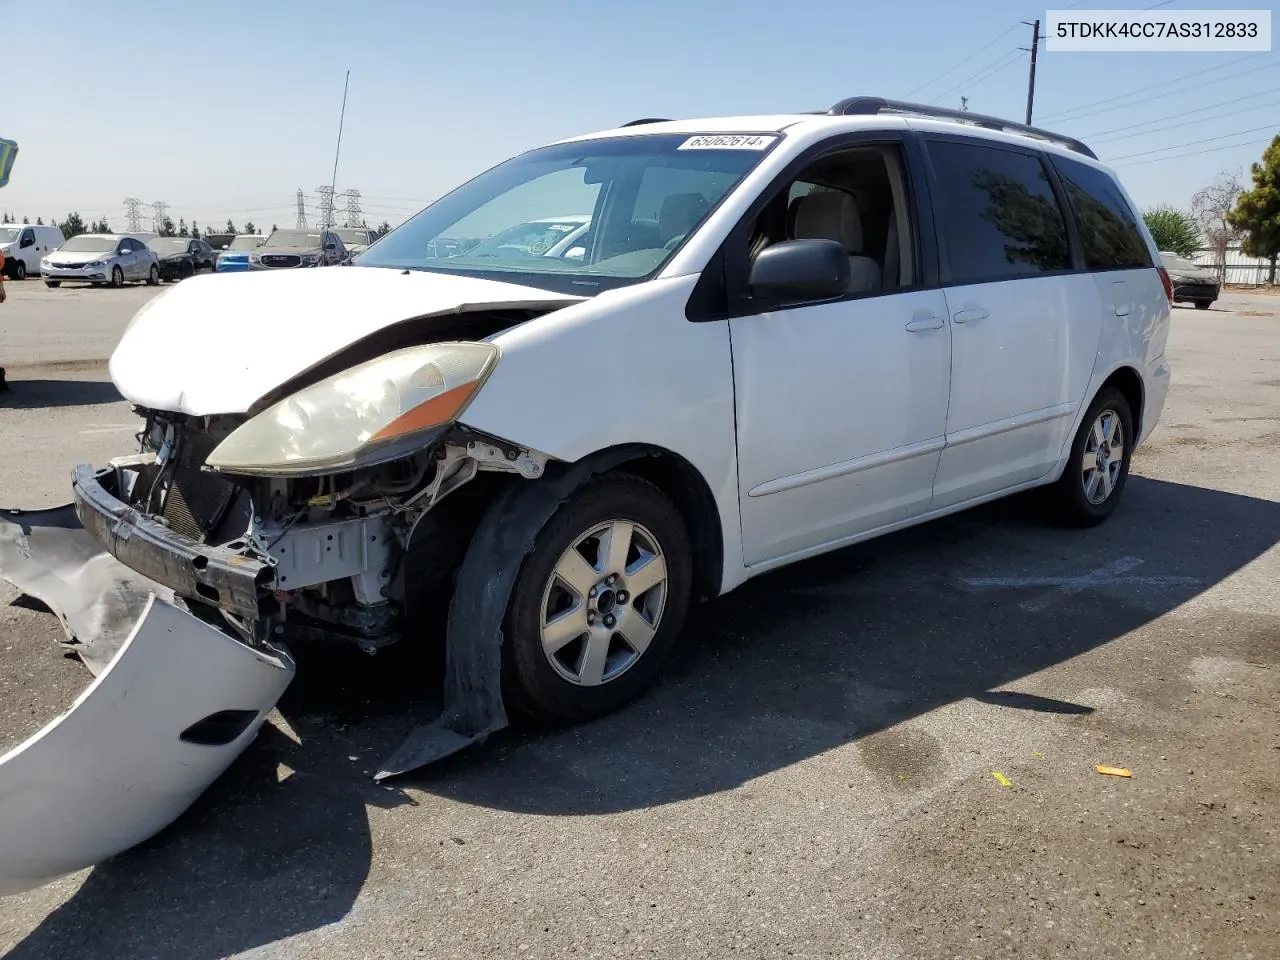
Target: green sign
[(8, 150)]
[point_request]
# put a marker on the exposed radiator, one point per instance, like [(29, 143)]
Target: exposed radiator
[(195, 499)]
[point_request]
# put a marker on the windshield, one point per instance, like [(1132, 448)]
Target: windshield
[(88, 243), (9, 234), (353, 236), (1177, 263), (245, 243), (293, 239), (624, 205), (167, 245)]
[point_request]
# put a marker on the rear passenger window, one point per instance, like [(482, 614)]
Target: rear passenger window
[(1108, 228), (999, 214)]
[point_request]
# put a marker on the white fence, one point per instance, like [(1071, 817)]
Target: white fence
[(1246, 271)]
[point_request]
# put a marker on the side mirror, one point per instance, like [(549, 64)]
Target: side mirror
[(331, 246), (799, 270)]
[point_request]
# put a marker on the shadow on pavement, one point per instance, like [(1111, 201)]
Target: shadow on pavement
[(786, 667), (38, 394)]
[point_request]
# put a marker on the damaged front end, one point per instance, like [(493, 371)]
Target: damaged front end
[(335, 514)]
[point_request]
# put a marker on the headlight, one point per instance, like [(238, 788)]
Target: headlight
[(96, 263), (377, 411), (255, 258)]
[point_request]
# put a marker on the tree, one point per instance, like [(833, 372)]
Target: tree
[(1210, 206), (100, 226), (72, 226), (274, 228), (182, 228), (4, 218), (195, 231), (384, 228), (1257, 211), (249, 227), (1173, 229), (231, 227), (26, 221), (39, 222), (166, 228)]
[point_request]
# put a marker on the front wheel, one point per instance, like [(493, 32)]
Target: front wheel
[(1098, 465), (117, 277), (599, 602), (53, 284), (1202, 305), (19, 271), (153, 278)]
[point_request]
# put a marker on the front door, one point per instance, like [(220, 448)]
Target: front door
[(1018, 314), (841, 405)]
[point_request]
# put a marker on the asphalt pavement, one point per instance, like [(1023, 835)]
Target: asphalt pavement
[(815, 774)]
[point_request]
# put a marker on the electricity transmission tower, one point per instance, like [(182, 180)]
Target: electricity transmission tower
[(133, 213), (354, 216), (326, 205), (302, 211), (158, 207)]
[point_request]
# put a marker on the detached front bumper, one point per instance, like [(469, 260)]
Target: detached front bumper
[(176, 705), (229, 579)]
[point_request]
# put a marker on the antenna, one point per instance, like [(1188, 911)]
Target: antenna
[(333, 183)]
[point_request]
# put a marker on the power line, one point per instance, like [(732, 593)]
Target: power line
[(354, 216), (989, 70), (133, 213), (1180, 113), (982, 49), (1088, 107), (326, 205), (158, 208), (1190, 143), (302, 211), (1195, 153), (1187, 123)]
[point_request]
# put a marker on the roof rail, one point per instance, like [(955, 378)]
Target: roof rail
[(870, 106), (636, 123)]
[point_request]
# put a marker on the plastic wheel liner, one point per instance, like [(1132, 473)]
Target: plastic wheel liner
[(175, 703)]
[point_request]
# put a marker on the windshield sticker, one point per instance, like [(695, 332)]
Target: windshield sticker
[(727, 141)]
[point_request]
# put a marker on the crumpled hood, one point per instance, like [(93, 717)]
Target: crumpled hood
[(216, 343)]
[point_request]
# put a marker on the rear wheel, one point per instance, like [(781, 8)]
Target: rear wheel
[(1098, 466), (1202, 305), (598, 603), (117, 277)]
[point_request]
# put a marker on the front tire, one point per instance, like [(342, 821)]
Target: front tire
[(1202, 305), (19, 271), (153, 278), (1098, 466), (598, 604), (53, 284), (117, 277)]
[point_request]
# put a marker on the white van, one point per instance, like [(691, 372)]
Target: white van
[(780, 335), (23, 246)]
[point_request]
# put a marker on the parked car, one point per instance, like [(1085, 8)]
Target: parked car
[(234, 258), (356, 239), (181, 257), (1192, 283), (298, 248), (101, 258), (24, 245), (787, 334)]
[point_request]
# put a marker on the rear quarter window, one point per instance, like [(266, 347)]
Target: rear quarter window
[(1107, 225)]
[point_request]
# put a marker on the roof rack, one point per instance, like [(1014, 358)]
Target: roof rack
[(636, 123), (870, 106)]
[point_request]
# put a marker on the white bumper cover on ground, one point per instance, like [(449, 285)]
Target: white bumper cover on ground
[(175, 706)]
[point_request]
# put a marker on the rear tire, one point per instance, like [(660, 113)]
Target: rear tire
[(551, 674), (1098, 465), (1202, 305)]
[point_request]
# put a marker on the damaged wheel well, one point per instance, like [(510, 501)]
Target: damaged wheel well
[(680, 480)]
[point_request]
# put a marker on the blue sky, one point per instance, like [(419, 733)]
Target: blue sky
[(225, 108)]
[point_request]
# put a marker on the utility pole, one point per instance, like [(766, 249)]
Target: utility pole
[(1031, 79), (133, 213), (302, 211), (326, 205), (354, 216), (159, 207)]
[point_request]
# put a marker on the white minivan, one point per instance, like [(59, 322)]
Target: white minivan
[(779, 335), (23, 246)]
